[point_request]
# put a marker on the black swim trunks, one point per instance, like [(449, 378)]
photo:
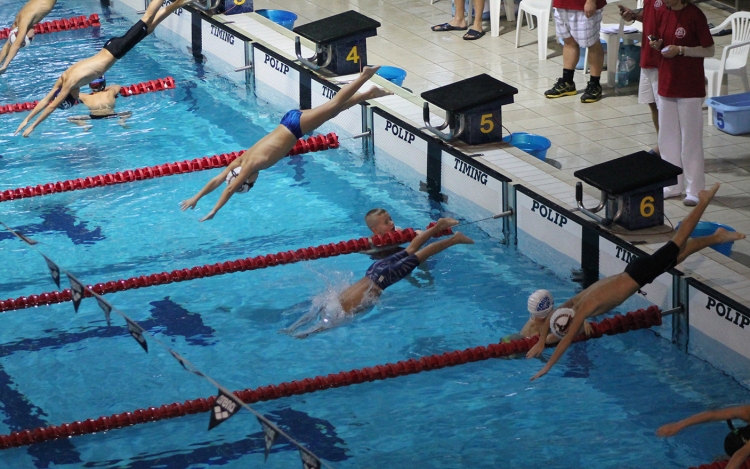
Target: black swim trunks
[(393, 268), (644, 270), (108, 116), (119, 46)]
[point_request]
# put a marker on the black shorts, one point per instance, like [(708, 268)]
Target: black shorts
[(119, 46), (644, 270)]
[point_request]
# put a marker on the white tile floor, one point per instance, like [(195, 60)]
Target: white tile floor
[(581, 134)]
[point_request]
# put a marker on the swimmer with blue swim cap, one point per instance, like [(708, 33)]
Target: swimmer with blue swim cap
[(85, 71), (22, 30), (608, 293), (736, 443), (277, 144)]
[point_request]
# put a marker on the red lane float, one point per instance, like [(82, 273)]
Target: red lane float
[(160, 84), (618, 324), (220, 268), (56, 26), (314, 143)]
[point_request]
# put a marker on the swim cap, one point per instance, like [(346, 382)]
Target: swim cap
[(12, 38), (245, 187), (541, 303), (561, 321), (736, 439), (99, 84)]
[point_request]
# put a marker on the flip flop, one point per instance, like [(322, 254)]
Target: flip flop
[(473, 34), (448, 27)]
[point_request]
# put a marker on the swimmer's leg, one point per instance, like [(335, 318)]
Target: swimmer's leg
[(160, 15), (425, 235), (124, 116), (438, 246), (691, 220), (347, 97)]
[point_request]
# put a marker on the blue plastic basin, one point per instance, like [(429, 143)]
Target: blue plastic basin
[(533, 144), (393, 74), (707, 228), (280, 17)]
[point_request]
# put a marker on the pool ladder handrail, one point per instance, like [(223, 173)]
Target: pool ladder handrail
[(606, 200), (453, 133), (311, 62)]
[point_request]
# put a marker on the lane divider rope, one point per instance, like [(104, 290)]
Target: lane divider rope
[(219, 268), (160, 84), (311, 144), (56, 26), (641, 319)]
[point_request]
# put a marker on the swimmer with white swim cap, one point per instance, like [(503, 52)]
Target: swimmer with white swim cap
[(608, 293), (270, 149), (23, 29)]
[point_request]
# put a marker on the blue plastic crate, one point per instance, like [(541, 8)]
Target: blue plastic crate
[(731, 113)]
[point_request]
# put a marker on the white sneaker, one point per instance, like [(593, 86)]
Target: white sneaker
[(690, 201), (671, 194)]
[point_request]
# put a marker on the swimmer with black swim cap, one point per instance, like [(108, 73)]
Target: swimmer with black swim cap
[(101, 103), (22, 30), (736, 443), (87, 70), (610, 292)]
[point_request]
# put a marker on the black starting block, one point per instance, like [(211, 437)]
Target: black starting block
[(632, 189), (473, 109), (340, 42)]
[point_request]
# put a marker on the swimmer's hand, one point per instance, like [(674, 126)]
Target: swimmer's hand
[(189, 203), (536, 350), (541, 373), (667, 430), (587, 329), (20, 127), (209, 216), (3, 70)]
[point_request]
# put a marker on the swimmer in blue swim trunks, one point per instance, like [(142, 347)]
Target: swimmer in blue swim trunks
[(277, 144), (67, 88), (610, 292), (390, 270)]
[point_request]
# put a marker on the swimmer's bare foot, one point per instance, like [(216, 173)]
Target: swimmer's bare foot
[(460, 238), (444, 223), (708, 194), (724, 236), (376, 92), (369, 71)]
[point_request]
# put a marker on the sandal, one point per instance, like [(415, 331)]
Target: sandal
[(473, 34), (447, 27)]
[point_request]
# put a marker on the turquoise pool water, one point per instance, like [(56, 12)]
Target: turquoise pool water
[(599, 407)]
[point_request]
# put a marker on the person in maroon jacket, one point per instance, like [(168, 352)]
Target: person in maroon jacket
[(648, 87), (577, 23), (684, 40)]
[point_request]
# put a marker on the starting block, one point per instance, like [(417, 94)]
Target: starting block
[(473, 109), (340, 42), (631, 188)]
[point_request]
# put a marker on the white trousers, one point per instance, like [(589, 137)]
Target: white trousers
[(681, 142)]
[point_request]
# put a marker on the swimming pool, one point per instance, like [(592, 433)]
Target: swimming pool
[(600, 406)]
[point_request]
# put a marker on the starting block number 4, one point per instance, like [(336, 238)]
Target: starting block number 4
[(353, 55)]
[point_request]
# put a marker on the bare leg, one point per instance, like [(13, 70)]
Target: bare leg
[(596, 59), (478, 11), (439, 246), (344, 99), (696, 244), (655, 119), (161, 14), (151, 11), (571, 52), (691, 220)]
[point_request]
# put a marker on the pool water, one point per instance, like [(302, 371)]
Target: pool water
[(599, 407)]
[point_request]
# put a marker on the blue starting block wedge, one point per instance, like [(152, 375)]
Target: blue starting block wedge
[(340, 41), (473, 109), (631, 188)]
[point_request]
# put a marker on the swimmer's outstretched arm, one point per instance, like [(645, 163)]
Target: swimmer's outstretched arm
[(538, 348), (4, 51), (210, 186), (247, 170), (15, 47), (671, 429), (562, 346), (46, 106)]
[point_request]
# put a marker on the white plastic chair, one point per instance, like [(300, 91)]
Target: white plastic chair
[(542, 10), (613, 43), (733, 59), (510, 14)]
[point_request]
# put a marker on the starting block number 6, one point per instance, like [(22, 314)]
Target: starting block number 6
[(486, 125), (647, 206), (239, 2), (353, 55)]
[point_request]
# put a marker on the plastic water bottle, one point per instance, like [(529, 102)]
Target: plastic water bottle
[(623, 72)]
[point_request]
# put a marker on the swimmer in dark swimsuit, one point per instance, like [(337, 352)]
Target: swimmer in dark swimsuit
[(610, 292), (101, 103), (736, 443), (390, 270), (277, 144), (87, 70)]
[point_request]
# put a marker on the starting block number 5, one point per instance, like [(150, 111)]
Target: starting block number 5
[(647, 206), (353, 55), (485, 124)]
